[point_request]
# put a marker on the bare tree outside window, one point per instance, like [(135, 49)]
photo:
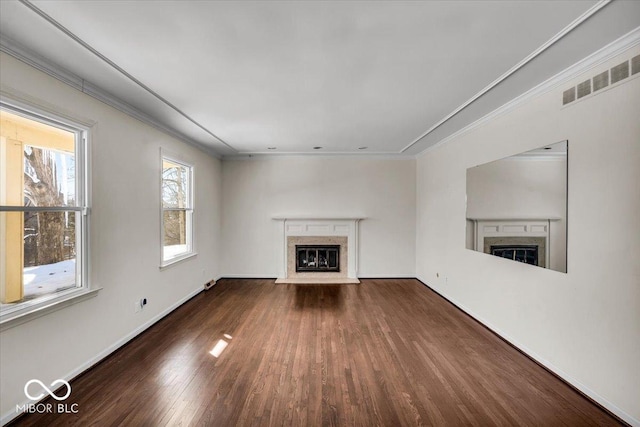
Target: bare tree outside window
[(176, 209), (40, 215), (49, 236)]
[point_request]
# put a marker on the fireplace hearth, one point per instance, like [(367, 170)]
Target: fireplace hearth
[(317, 258)]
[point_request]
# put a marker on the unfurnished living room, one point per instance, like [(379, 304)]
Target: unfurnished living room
[(314, 213)]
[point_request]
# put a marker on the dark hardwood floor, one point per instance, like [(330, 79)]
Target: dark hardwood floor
[(385, 352)]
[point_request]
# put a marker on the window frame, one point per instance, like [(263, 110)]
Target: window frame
[(189, 211), (24, 311)]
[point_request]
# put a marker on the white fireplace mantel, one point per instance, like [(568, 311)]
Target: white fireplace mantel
[(313, 225), (513, 227), (318, 218)]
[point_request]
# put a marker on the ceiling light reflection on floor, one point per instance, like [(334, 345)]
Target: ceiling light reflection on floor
[(227, 336)]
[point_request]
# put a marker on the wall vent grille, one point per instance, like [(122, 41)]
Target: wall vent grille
[(635, 65), (620, 72), (584, 88), (602, 80), (569, 95)]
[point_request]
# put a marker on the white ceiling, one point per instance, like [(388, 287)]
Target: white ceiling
[(240, 77)]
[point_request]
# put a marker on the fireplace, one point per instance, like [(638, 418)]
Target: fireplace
[(317, 258), (319, 250), (521, 253), (529, 250)]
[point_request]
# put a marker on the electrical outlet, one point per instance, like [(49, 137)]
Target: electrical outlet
[(137, 307)]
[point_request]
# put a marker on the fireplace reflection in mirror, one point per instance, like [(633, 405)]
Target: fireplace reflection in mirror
[(521, 253), (317, 258), (516, 207)]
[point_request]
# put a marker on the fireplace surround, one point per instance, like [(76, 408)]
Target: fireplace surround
[(523, 240), (319, 232)]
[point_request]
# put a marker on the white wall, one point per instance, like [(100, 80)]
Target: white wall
[(584, 325), (523, 188), (382, 190), (124, 252)]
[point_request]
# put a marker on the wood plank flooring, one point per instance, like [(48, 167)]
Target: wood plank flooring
[(385, 352)]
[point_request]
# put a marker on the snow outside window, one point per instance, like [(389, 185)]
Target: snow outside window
[(43, 211)]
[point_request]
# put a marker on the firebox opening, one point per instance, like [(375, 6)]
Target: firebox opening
[(522, 253), (321, 258)]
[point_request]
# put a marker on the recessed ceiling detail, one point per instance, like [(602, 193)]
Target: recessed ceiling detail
[(243, 77)]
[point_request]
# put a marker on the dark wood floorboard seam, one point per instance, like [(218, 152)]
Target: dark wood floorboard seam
[(390, 352), (114, 352)]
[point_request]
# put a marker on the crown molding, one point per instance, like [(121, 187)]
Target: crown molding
[(293, 155), (117, 68), (38, 62), (613, 49), (586, 15)]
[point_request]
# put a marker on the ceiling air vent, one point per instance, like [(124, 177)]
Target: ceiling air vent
[(602, 80)]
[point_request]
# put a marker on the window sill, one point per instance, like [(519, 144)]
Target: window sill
[(33, 311), (176, 260)]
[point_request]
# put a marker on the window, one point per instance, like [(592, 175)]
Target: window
[(43, 211), (177, 211)]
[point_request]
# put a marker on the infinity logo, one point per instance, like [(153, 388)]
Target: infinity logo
[(52, 394)]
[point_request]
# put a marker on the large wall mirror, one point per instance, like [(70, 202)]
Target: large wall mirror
[(517, 207)]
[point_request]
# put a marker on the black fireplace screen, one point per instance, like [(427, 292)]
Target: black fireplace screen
[(317, 257), (522, 253)]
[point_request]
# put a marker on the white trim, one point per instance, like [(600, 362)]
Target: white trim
[(249, 276), (613, 49), (38, 62), (300, 225), (189, 210), (387, 155), (175, 260), (45, 306), (536, 158), (586, 15), (119, 69), (496, 227), (82, 137), (516, 218), (8, 416), (541, 360), (318, 218)]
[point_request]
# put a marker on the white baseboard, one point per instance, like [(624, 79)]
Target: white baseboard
[(7, 417), (541, 360), (360, 276), (386, 276), (249, 276)]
